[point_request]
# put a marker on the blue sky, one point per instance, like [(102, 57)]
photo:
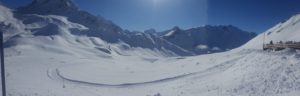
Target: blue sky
[(249, 15)]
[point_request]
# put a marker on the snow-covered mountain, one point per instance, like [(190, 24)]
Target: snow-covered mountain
[(191, 42), (51, 55), (98, 26), (208, 39)]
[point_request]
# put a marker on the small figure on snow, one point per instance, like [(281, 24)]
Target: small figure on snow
[(271, 42)]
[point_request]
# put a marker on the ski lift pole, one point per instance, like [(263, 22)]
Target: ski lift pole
[(2, 66)]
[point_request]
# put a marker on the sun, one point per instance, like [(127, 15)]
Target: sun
[(156, 3)]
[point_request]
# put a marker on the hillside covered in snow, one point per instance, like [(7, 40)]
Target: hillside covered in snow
[(112, 33), (284, 31), (54, 49)]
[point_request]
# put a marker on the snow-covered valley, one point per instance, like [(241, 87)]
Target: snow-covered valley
[(51, 55), (239, 72)]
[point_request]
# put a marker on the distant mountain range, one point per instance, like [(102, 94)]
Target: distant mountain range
[(176, 41), (208, 39)]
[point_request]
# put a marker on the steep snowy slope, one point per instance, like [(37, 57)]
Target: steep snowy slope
[(99, 27), (57, 34), (284, 31), (187, 43)]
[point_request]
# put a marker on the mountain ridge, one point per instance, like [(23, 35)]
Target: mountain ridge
[(215, 38), (112, 33)]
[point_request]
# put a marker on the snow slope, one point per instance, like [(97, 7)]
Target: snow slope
[(239, 73), (100, 27), (284, 31), (184, 44), (50, 60)]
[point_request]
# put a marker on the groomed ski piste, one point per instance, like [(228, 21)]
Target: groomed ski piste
[(69, 65)]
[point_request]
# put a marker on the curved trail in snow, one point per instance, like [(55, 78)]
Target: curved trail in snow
[(217, 68)]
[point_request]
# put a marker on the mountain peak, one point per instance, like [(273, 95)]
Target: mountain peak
[(176, 28), (150, 31), (48, 6), (62, 3)]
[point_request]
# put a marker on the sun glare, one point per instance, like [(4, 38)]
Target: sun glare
[(155, 3)]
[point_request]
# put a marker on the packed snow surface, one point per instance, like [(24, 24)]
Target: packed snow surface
[(238, 73)]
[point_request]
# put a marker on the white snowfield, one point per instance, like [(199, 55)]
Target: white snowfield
[(71, 65)]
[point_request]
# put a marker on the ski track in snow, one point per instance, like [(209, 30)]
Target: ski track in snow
[(55, 74)]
